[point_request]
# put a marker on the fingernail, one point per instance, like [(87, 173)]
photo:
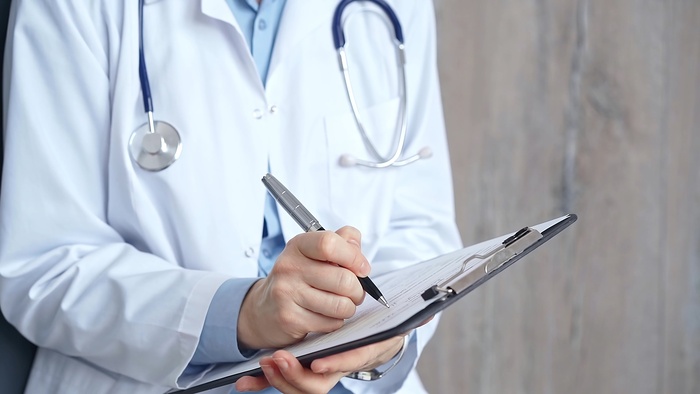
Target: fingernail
[(281, 363), (365, 268), (268, 370), (352, 241)]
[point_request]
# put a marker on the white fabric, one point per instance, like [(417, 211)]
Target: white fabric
[(109, 268)]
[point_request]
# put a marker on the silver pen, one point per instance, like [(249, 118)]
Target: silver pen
[(308, 223)]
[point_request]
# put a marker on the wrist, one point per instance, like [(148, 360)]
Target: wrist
[(247, 330), (376, 373)]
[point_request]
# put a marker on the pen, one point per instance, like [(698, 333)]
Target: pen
[(309, 223)]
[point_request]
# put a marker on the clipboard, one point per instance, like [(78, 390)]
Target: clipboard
[(462, 272)]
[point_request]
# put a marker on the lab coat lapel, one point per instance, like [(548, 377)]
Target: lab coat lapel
[(299, 19), (218, 9)]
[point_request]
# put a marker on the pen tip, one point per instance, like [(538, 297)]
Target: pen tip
[(382, 300)]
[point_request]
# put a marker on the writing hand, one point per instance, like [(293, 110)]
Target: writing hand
[(312, 287)]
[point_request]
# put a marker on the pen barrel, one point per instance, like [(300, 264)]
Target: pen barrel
[(369, 287), (291, 204)]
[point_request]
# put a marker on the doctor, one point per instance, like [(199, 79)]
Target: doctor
[(136, 281)]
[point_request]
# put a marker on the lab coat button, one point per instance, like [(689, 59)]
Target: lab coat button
[(250, 252), (273, 109), (257, 113)]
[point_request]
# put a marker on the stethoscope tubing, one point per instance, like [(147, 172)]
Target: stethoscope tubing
[(339, 34), (339, 42), (143, 70), (383, 161)]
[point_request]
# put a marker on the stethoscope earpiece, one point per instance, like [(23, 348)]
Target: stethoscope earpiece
[(347, 160), (425, 152)]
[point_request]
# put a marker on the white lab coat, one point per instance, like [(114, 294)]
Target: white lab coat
[(110, 269)]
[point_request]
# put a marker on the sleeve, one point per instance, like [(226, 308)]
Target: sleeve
[(220, 326), (68, 281), (423, 210)]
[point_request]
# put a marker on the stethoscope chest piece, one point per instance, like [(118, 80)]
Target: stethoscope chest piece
[(155, 151)]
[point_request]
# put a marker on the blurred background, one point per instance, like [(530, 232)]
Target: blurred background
[(583, 106), (590, 107)]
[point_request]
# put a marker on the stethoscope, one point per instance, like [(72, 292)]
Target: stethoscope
[(155, 145), (394, 160)]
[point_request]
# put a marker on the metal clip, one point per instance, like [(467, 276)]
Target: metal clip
[(513, 246), (494, 257)]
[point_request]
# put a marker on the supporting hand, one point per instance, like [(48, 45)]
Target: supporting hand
[(284, 372)]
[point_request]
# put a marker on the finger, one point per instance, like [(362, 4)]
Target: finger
[(350, 234), (327, 304), (273, 375), (296, 320), (362, 358), (336, 280), (252, 383), (294, 378), (304, 320), (331, 247)]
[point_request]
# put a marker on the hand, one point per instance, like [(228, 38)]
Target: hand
[(312, 287), (284, 372)]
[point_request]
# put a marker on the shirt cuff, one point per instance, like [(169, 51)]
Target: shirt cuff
[(218, 342)]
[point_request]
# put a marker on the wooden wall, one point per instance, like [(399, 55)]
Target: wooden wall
[(584, 106)]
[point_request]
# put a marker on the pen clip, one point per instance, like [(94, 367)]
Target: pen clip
[(493, 257)]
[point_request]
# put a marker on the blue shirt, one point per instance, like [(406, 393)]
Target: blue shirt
[(259, 24)]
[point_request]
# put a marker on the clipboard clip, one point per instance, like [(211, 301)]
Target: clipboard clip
[(494, 257)]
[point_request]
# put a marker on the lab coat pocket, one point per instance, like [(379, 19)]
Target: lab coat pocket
[(362, 196)]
